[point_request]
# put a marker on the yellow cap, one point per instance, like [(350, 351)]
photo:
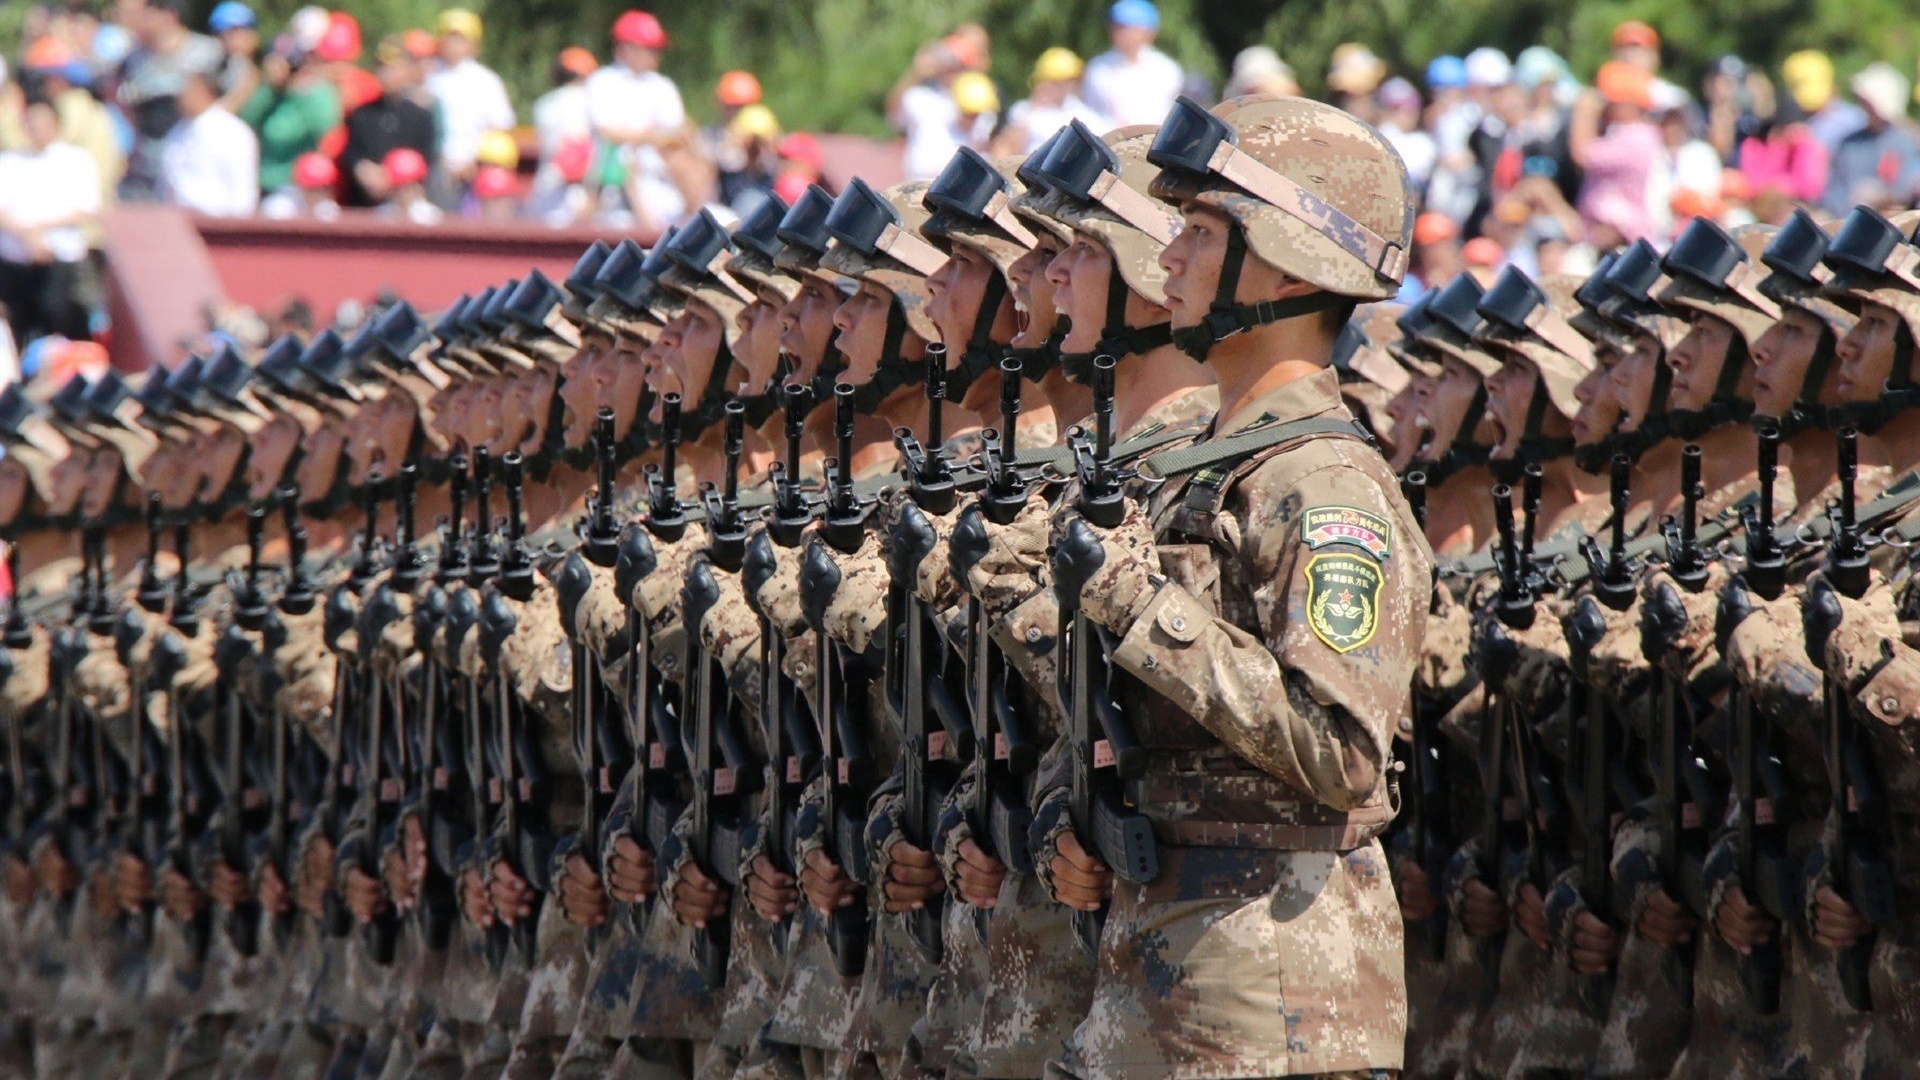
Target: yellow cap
[(1809, 78), (462, 22), (1057, 65), (974, 93), (754, 122), (498, 148)]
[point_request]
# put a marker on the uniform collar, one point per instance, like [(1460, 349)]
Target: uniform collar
[(1316, 395)]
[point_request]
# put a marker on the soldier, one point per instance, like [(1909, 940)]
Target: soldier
[(1452, 440)]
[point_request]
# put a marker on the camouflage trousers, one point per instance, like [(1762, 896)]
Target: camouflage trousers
[(1057, 1071)]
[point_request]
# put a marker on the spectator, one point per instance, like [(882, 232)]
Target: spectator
[(800, 163), (85, 122), (210, 161), (1400, 123), (562, 122), (1550, 91), (49, 196), (495, 189), (1687, 165), (473, 100), (1453, 116), (1133, 82), (1880, 163), (292, 110), (639, 112), (337, 50), (394, 120), (406, 170), (747, 172), (1353, 74), (1830, 118), (1612, 140), (922, 107), (316, 179), (1734, 106), (1435, 258), (1783, 158), (1638, 45), (1257, 69), (150, 84), (238, 31), (1052, 101)]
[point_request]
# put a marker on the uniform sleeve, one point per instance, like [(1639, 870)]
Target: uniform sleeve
[(1315, 690)]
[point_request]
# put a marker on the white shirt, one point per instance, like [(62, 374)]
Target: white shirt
[(1137, 91), (624, 100), (211, 165), (1041, 121), (562, 115), (473, 101), (55, 183), (934, 130)]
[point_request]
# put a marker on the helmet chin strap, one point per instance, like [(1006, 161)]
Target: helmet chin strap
[(1725, 407), (894, 371), (1806, 412), (1463, 452), (1535, 447), (1226, 318), (1899, 394), (713, 399), (981, 354), (832, 363), (1117, 339)]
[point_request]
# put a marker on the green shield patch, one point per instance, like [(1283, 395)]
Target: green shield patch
[(1343, 600)]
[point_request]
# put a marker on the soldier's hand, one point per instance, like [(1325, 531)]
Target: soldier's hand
[(511, 895), (228, 887), (103, 894), (1417, 902), (771, 892), (56, 874), (1484, 913), (1836, 923), (583, 900), (314, 877), (366, 895), (180, 896), (405, 865), (698, 899), (1740, 924), (826, 885), (1080, 881), (20, 881), (1595, 944), (1664, 922), (913, 878), (1530, 915), (473, 898), (274, 897), (979, 875), (133, 882), (632, 871)]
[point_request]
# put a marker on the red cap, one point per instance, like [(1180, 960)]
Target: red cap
[(737, 88), (573, 158), (314, 171), (1635, 33), (801, 147), (1483, 252), (1434, 227), (341, 42), (405, 166), (790, 186), (639, 28), (492, 182)]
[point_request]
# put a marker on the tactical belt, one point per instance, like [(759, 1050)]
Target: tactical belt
[(1322, 828), (1244, 444)]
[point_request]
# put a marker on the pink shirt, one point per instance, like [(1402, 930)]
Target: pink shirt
[(1795, 166), (1618, 165)]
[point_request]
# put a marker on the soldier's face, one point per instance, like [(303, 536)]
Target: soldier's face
[(757, 346), (102, 483), (1781, 357), (1599, 407), (701, 338), (1866, 354), (317, 469), (621, 374), (540, 384), (1080, 275), (1403, 419), (1509, 394), (1697, 359), (580, 397), (806, 325), (959, 287), (1445, 408), (268, 451), (862, 326), (1033, 293), (1193, 263)]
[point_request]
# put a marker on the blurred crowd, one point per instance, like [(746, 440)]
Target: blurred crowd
[(1520, 160)]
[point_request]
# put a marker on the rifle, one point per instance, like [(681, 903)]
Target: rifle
[(1543, 805), (1768, 877), (377, 789), (1680, 783), (275, 850), (298, 596), (724, 773), (1503, 831), (522, 772), (1862, 872), (666, 517), (650, 728), (840, 689), (183, 809), (242, 922), (1428, 824), (999, 814), (152, 592), (432, 778), (1600, 769), (1103, 745), (911, 633)]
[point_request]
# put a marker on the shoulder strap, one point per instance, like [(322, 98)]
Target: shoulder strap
[(1059, 458), (1241, 445)]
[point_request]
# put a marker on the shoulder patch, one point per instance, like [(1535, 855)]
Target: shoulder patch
[(1325, 525), (1343, 599)]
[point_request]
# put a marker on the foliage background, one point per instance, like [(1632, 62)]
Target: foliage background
[(827, 64)]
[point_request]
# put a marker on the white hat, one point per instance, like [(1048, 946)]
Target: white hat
[(1882, 89), (1488, 67)]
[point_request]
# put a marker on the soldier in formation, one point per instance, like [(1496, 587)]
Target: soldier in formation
[(1059, 620)]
